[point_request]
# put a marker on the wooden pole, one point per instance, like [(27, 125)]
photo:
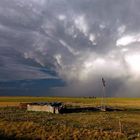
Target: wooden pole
[(120, 126), (103, 102)]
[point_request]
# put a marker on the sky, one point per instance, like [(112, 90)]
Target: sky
[(65, 47)]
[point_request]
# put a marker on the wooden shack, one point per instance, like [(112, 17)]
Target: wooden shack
[(23, 105), (54, 107)]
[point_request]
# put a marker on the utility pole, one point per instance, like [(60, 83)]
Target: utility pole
[(103, 102)]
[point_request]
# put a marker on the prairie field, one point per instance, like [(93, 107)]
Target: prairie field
[(115, 102), (18, 123)]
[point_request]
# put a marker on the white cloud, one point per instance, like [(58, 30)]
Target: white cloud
[(133, 60), (61, 17), (128, 39), (39, 2), (124, 49), (70, 49), (102, 26), (81, 24), (92, 38), (58, 58), (121, 29)]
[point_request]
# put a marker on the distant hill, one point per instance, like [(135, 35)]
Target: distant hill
[(28, 87)]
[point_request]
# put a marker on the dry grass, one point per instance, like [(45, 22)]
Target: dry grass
[(16, 123), (114, 102), (20, 124), (6, 104)]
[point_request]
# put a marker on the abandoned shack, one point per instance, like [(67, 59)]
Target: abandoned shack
[(54, 107), (23, 105)]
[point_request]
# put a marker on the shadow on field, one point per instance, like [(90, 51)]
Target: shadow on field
[(133, 109), (80, 109), (3, 137), (87, 109)]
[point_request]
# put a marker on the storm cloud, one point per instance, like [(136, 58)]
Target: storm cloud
[(76, 41)]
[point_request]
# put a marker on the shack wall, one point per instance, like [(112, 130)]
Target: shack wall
[(46, 108)]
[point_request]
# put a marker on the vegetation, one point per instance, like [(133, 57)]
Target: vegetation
[(116, 102), (21, 124)]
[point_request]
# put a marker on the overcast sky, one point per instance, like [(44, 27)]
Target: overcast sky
[(74, 41)]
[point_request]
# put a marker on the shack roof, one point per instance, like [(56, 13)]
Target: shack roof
[(56, 104)]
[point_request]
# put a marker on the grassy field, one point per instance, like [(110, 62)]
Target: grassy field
[(117, 102), (93, 125)]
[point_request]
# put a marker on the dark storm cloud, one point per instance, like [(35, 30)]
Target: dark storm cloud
[(77, 41)]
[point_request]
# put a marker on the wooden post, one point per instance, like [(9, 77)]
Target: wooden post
[(120, 126)]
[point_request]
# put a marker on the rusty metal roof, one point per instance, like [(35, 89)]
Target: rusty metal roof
[(57, 104)]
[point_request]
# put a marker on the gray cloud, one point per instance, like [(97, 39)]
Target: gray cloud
[(80, 40)]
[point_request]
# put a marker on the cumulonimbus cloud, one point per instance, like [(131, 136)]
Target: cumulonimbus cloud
[(81, 41)]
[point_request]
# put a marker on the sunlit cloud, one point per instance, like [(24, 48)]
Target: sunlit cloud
[(81, 24), (126, 40), (133, 62)]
